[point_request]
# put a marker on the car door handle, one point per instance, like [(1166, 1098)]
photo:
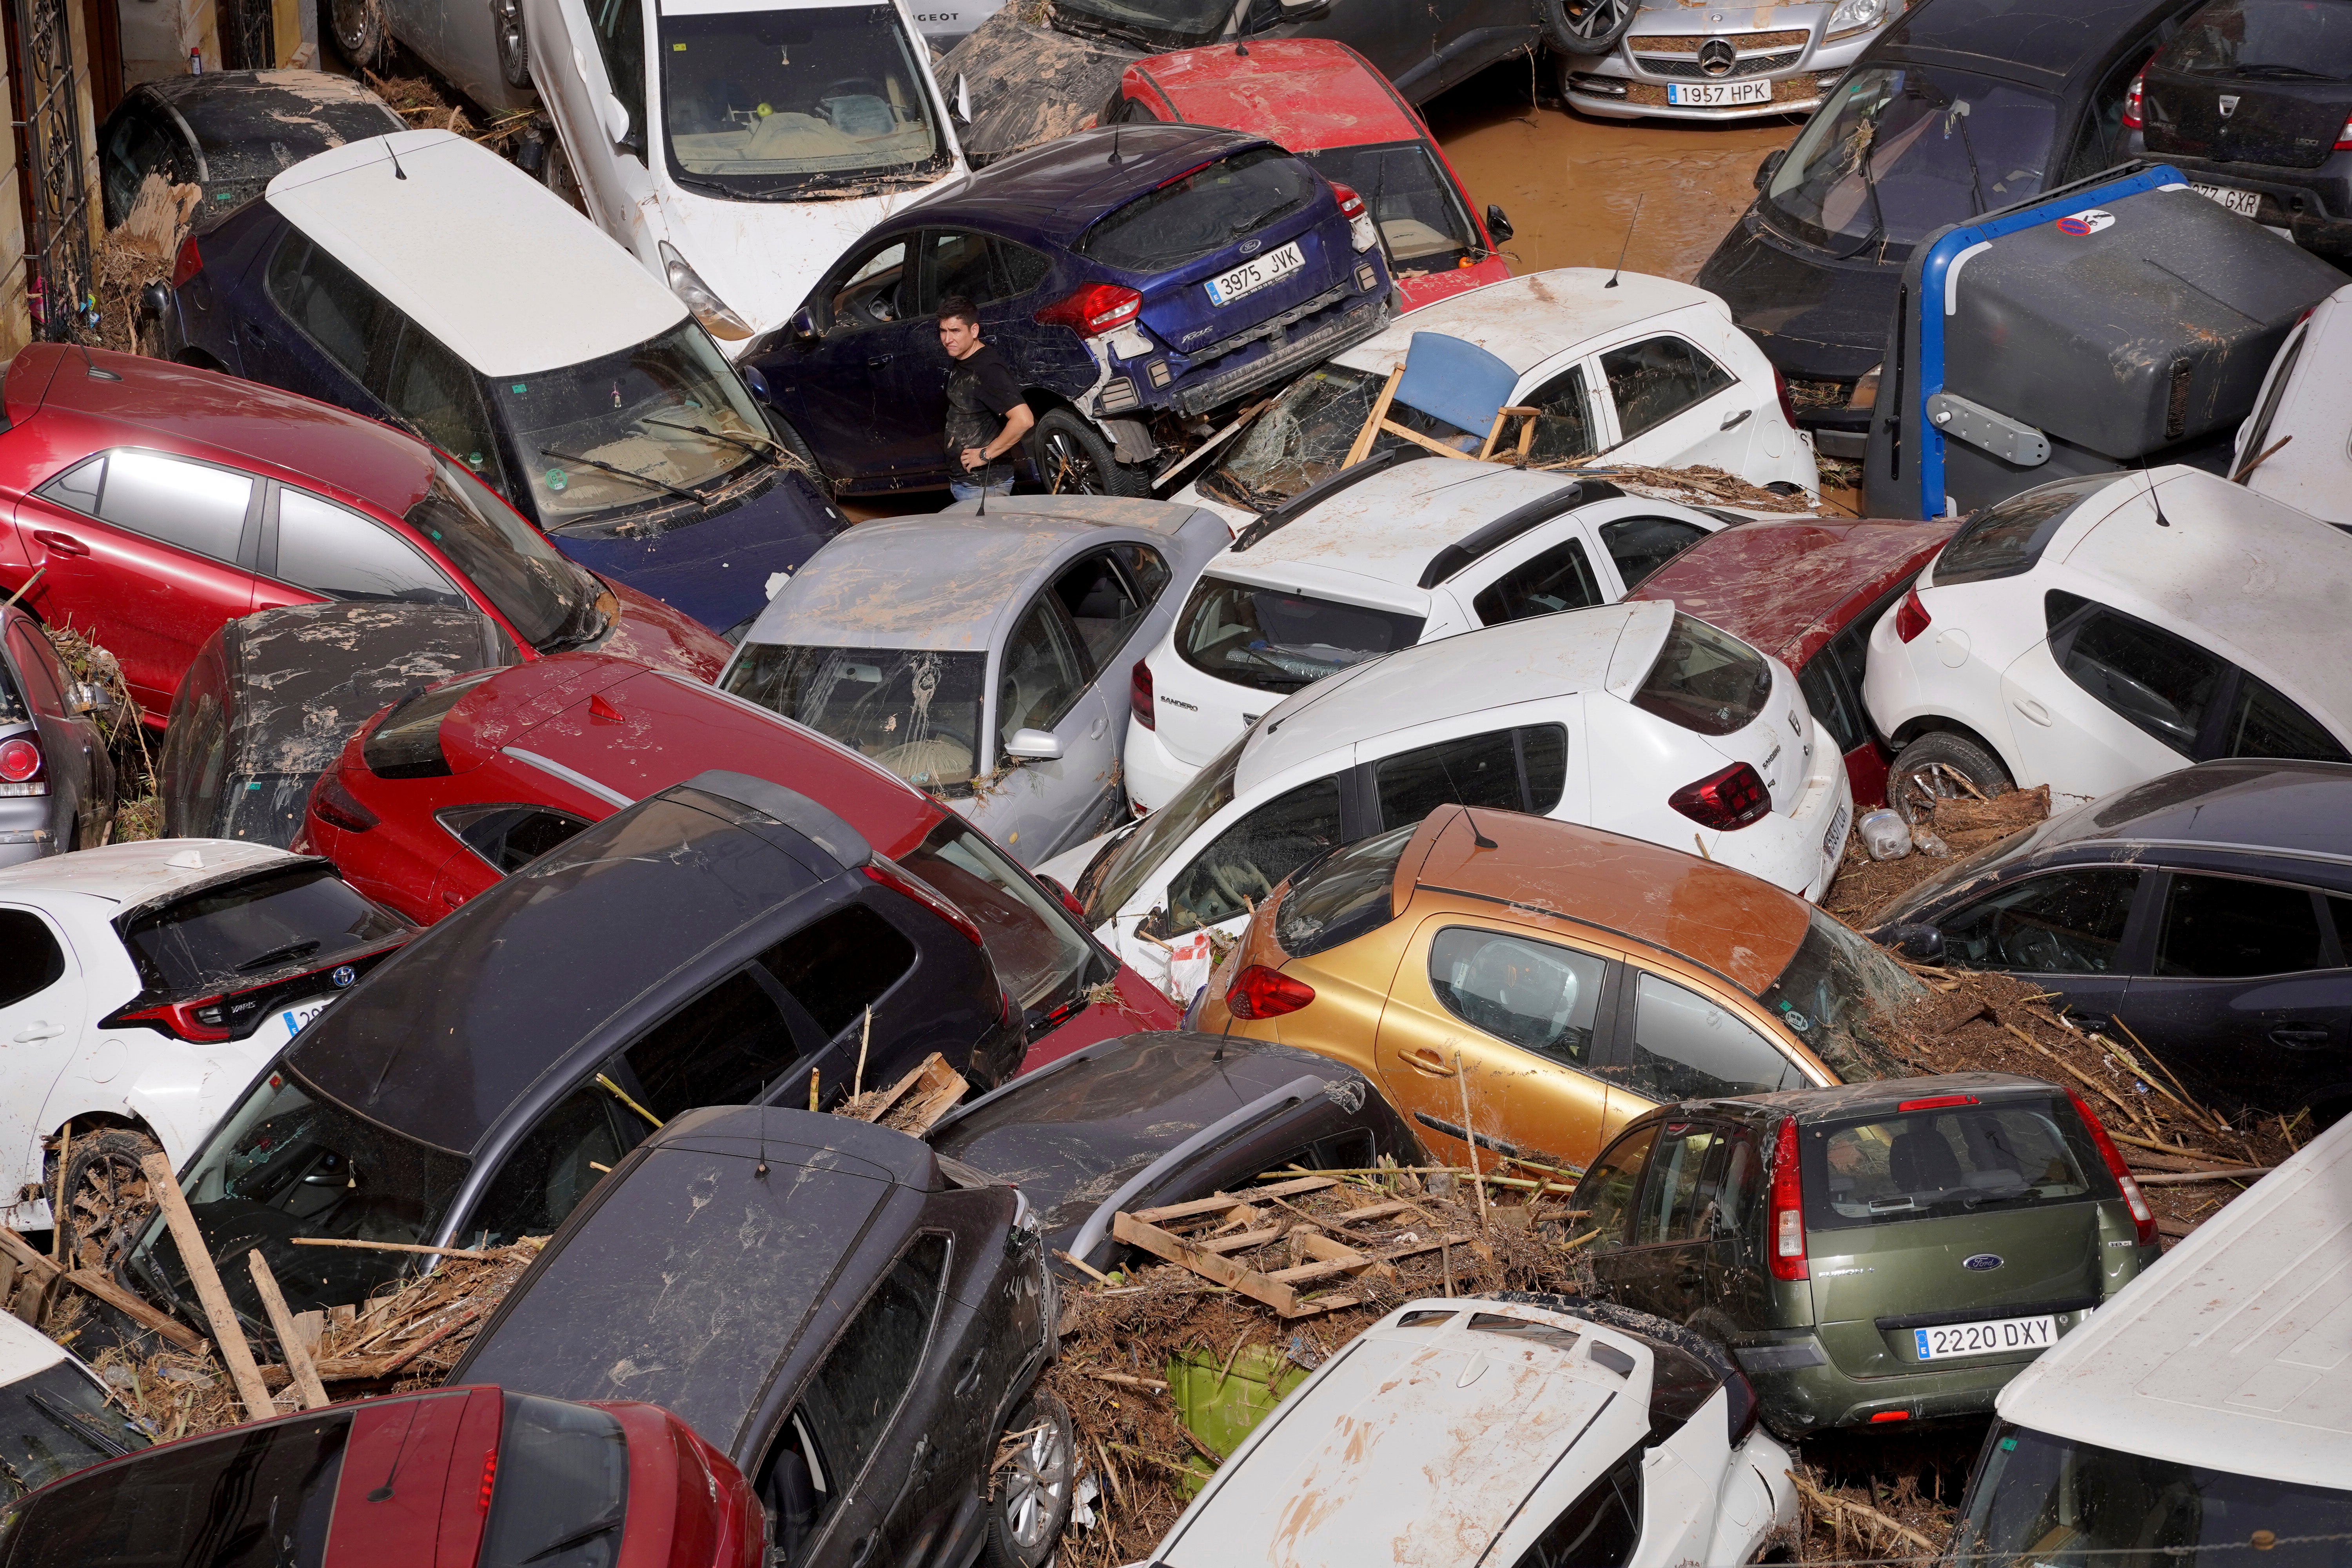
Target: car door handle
[(967, 1375), (1735, 417), (60, 543), (1094, 730), (1425, 1061), (2297, 1036), (2032, 710), (39, 1031), (865, 1548), (879, 360)]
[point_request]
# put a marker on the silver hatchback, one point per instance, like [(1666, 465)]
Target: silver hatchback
[(57, 782)]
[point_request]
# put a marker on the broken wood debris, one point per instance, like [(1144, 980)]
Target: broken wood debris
[(918, 1100)]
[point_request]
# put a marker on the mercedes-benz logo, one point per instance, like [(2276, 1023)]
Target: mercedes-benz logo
[(1716, 57)]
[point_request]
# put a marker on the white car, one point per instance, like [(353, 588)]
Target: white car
[(141, 987), (1386, 555), (2294, 446), (1521, 1431), (1649, 372), (2098, 631), (1629, 717), (55, 1416), (736, 147)]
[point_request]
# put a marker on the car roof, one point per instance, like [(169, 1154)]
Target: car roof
[(477, 252), (1421, 1444), (302, 678), (2234, 1350), (1879, 1097), (227, 108), (2029, 38), (241, 423), (1527, 320), (1520, 661), (24, 1350), (1305, 93), (1787, 586), (1061, 186), (1738, 925), (686, 1277), (2268, 805), (137, 873)]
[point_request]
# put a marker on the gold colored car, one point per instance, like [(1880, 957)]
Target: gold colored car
[(1543, 982)]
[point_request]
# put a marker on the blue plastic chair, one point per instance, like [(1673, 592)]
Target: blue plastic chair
[(1451, 380)]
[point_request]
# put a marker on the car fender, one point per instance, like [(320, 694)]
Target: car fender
[(175, 1089), (1907, 691)]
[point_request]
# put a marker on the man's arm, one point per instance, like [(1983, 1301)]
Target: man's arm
[(1018, 421)]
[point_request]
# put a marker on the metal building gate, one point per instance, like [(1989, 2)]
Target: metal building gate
[(59, 276)]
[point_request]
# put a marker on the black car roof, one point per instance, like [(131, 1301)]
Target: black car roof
[(442, 1039), (2049, 41), (688, 1276), (1059, 188), (2271, 806), (302, 678)]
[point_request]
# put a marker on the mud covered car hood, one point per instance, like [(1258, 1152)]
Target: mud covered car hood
[(1814, 318), (1030, 84)]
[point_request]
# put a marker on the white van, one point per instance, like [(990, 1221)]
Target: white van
[(2293, 446), (2207, 1410)]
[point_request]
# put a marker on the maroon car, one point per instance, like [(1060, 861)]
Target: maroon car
[(1807, 591)]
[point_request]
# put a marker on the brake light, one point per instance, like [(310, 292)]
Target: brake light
[(1094, 309), (489, 1478), (898, 879), (1934, 1102), (203, 1021), (2143, 1217), (333, 803), (1069, 899), (1910, 617), (1360, 233), (188, 263), (1351, 205), (1732, 798), (20, 765), (2344, 138), (1885, 1416), (1787, 404), (1262, 993), (1788, 1231), (1138, 695), (2132, 96)]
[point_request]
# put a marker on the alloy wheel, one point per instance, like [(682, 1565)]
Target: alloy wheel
[(1598, 20), (1069, 468), (1036, 1478)]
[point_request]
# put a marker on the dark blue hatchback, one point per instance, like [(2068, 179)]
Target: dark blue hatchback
[(1138, 278)]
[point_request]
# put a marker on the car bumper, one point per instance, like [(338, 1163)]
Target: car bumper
[(1627, 84), (1801, 850), (1152, 772), (28, 830), (1800, 1391), (1283, 348)]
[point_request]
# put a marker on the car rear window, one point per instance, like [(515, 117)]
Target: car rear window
[(2265, 40), (406, 744), (228, 931), (1039, 952), (1944, 1159), (2008, 537), (1706, 679), (562, 1486), (1278, 641), (1204, 211), (1342, 899)]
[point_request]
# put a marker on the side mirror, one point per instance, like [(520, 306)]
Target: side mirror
[(1033, 746), (1921, 943), (616, 121), (88, 696), (962, 99), (1771, 161), (154, 299), (1498, 226), (758, 383)]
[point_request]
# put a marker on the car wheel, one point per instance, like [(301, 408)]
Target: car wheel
[(557, 175), (357, 28), (106, 1204), (1029, 1497), (514, 45), (1941, 765), (1586, 27), (1073, 458)]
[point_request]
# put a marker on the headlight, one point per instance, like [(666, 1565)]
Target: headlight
[(707, 306), (1861, 16)]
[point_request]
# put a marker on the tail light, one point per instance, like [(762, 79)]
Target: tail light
[(2132, 97), (2344, 138), (188, 263), (1787, 404), (20, 766), (1732, 798), (1262, 993), (1096, 309), (335, 805), (203, 1021), (1361, 232), (1788, 1231), (1069, 899), (2143, 1217), (898, 879), (1910, 617), (1138, 695)]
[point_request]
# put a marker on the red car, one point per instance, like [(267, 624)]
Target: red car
[(454, 1477), (1807, 591), (443, 794), (154, 501), (1323, 102)]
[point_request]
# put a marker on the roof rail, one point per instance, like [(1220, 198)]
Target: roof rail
[(1323, 489), (1457, 556)]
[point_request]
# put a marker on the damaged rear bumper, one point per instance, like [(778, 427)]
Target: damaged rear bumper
[(1274, 354)]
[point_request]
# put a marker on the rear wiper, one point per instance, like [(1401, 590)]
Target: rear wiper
[(73, 1421), (291, 950), (646, 480), (585, 1534)]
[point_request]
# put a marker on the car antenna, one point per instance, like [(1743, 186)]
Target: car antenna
[(400, 174), (1480, 839), (89, 365), (383, 1492), (1242, 49), (1114, 146), (1629, 240)]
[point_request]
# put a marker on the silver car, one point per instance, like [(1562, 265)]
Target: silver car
[(57, 782), (1682, 62), (988, 658)]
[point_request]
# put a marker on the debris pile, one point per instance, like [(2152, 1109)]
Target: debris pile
[(138, 813), (138, 252), (1863, 885)]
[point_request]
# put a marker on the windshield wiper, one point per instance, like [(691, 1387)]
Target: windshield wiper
[(586, 1533), (625, 473), (1868, 148), (744, 443), (291, 950)]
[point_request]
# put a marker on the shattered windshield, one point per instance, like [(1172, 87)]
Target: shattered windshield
[(913, 711), (1839, 994), (1119, 871), (762, 105), (1901, 150), (1421, 216), (1155, 24), (1274, 640), (54, 1423), (648, 426), (1306, 434)]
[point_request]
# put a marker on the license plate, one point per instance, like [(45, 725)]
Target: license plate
[(1988, 1338), (1834, 839), (2245, 203), (296, 1016), (1716, 94), (1254, 274)]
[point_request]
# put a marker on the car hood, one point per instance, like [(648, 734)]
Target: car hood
[(719, 569), (1814, 318), (652, 632), (1030, 84)]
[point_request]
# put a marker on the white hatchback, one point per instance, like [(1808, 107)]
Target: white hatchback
[(1629, 717), (1383, 555), (2095, 632), (141, 987)]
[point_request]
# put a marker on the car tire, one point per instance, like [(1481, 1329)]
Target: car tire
[(1073, 458), (106, 1204), (1030, 1492), (1586, 27), (357, 28), (514, 42), (1924, 773)]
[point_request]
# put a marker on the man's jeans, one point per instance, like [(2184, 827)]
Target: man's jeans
[(965, 489)]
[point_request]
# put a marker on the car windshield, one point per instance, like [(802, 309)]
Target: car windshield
[(549, 602), (1278, 641), (1340, 898), (648, 426), (300, 913), (1306, 434), (800, 105), (1421, 220), (1121, 870), (2265, 40), (54, 1423), (1046, 962), (1155, 24), (1900, 151), (1201, 212), (2058, 1504), (914, 710), (1949, 1158), (291, 1161), (1839, 994)]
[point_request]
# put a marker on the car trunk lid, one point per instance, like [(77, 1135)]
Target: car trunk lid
[(2231, 120), (1180, 310)]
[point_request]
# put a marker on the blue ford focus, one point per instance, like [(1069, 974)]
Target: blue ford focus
[(1138, 278)]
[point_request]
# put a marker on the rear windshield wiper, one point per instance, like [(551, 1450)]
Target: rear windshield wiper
[(586, 1533), (646, 480), (75, 1422), (276, 954)]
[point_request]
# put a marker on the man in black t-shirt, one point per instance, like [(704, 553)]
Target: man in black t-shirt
[(986, 415)]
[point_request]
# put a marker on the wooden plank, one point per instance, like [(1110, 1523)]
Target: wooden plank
[(1362, 447), (289, 1338), (1240, 1241), (1207, 1264), (1323, 1249), (226, 1332), (1375, 1211), (32, 1262), (390, 1247), (136, 1311), (1418, 439), (1226, 1200), (1306, 1271)]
